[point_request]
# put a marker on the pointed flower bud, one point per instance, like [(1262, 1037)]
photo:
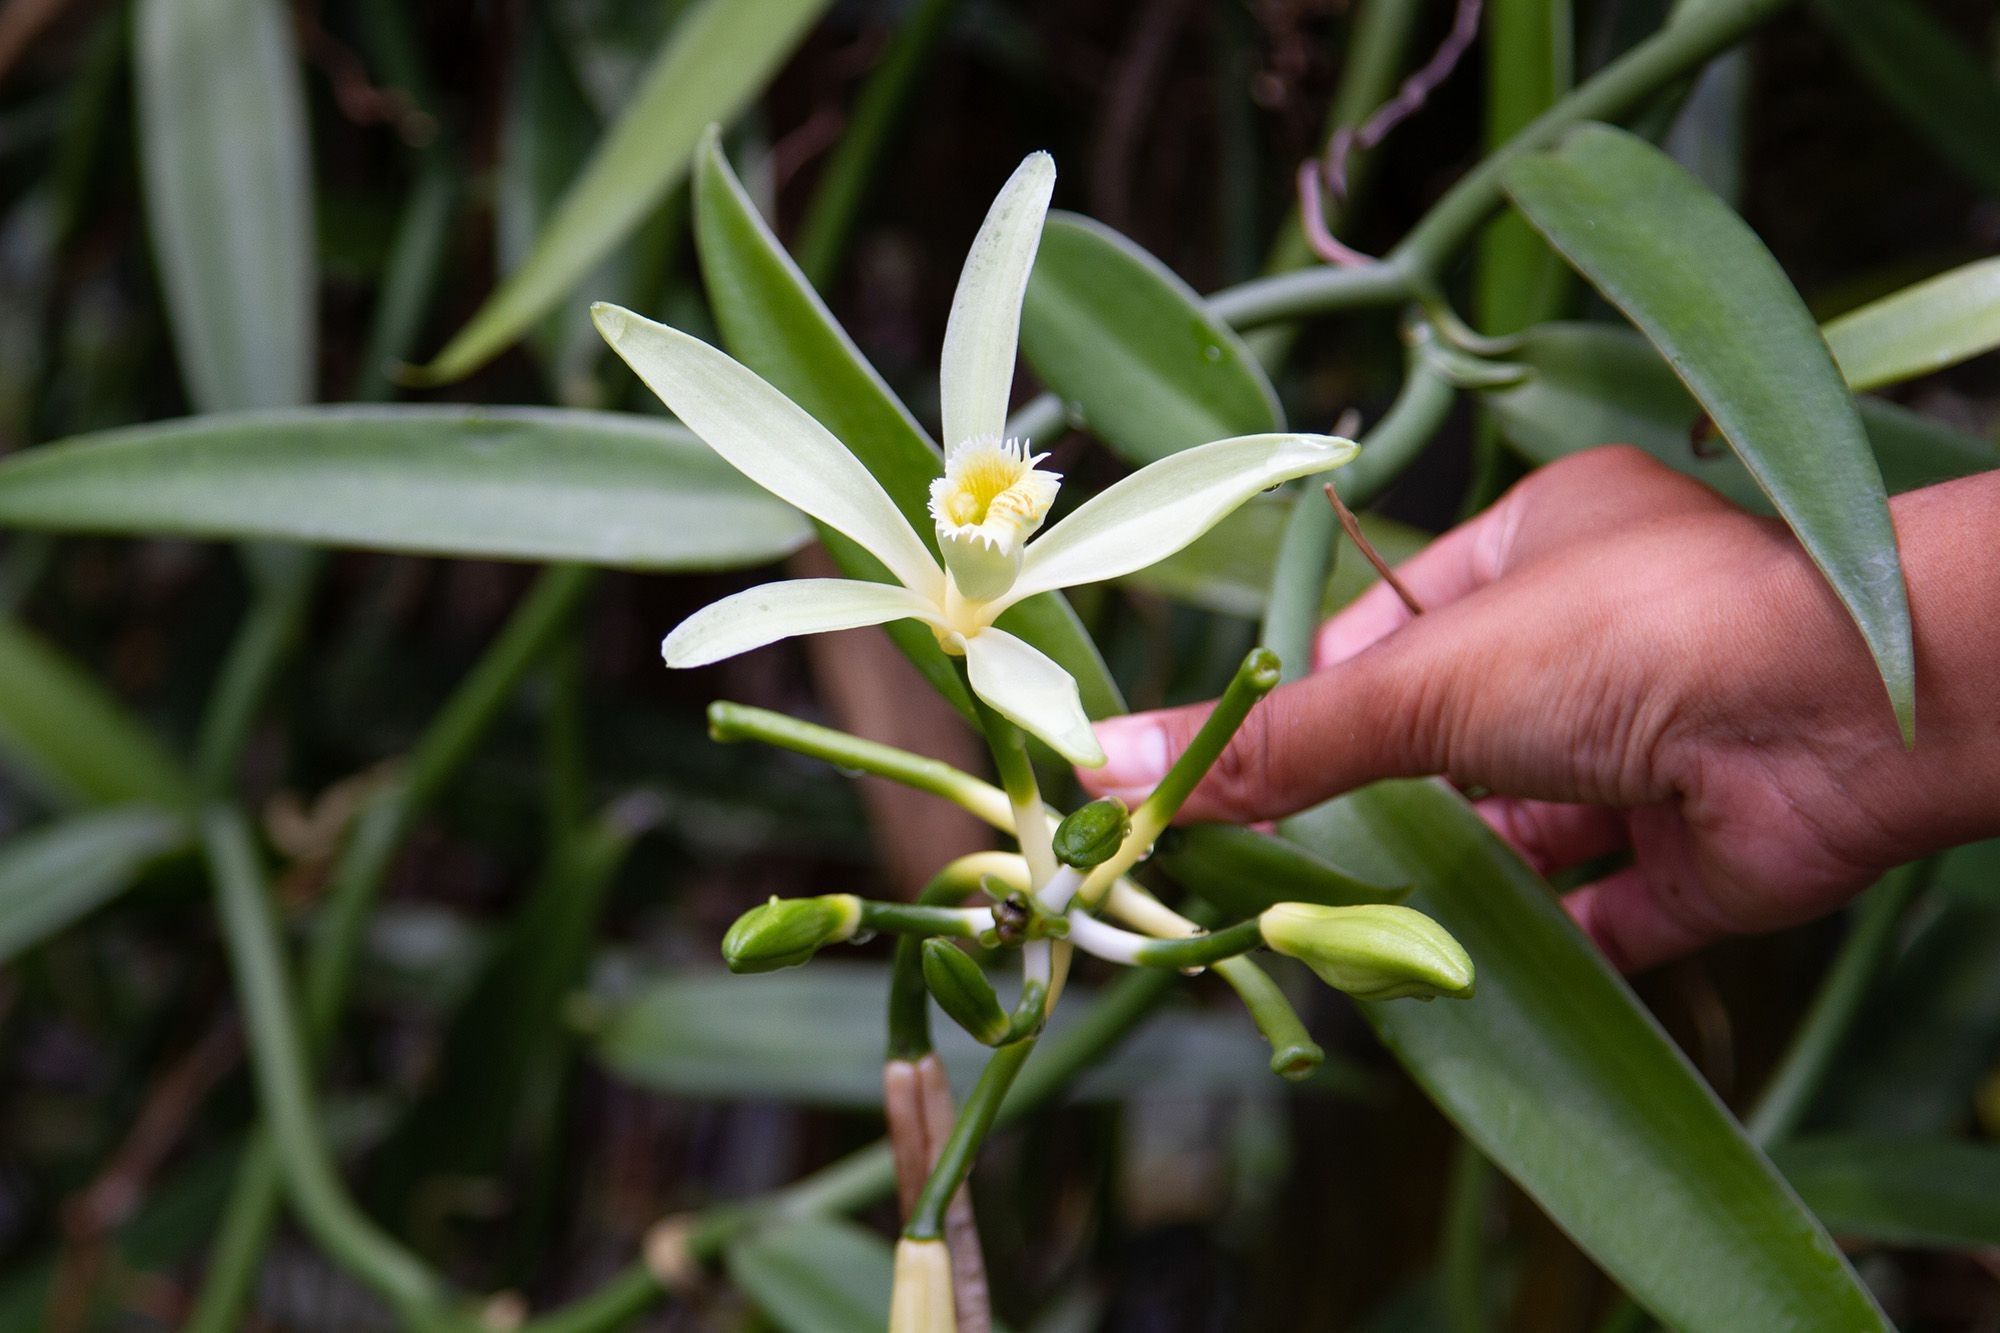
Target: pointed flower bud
[(1091, 834), (787, 931), (921, 1301), (961, 989), (987, 504), (1376, 951)]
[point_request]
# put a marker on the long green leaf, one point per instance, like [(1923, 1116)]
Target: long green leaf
[(1132, 348), (1702, 288), (1530, 64), (223, 151), (1937, 323), (713, 63), (815, 1035), (1595, 384), (1927, 1192), (775, 323), (816, 1275), (1564, 1080), (506, 483), (1929, 76), (57, 874), (70, 739)]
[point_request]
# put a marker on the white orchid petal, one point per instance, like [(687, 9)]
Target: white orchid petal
[(976, 370), (769, 439), (1028, 688), (774, 611), (1156, 511)]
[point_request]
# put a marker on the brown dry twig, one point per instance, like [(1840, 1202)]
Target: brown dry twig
[(1352, 527), (1326, 177)]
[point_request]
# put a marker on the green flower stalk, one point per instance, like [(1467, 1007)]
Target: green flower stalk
[(786, 932), (1376, 951)]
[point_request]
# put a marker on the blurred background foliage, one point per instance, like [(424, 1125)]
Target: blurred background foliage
[(539, 1056)]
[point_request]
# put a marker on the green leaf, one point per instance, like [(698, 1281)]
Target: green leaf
[(1228, 569), (774, 323), (1702, 288), (1913, 1062), (816, 1275), (506, 483), (1929, 76), (1924, 1192), (1114, 333), (1595, 383), (1936, 323), (71, 740), (228, 185), (1563, 1079), (57, 874), (815, 1035), (717, 59), (1530, 64)]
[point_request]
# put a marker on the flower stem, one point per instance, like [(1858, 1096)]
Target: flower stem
[(922, 920), (280, 1063), (1188, 951), (1294, 1054), (728, 722), (975, 1118)]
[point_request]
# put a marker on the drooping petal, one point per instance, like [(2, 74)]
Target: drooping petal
[(774, 611), (1156, 511), (976, 369), (769, 439), (1027, 687)]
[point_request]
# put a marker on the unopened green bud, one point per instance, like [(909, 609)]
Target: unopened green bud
[(1093, 833), (1376, 951), (962, 991), (787, 931)]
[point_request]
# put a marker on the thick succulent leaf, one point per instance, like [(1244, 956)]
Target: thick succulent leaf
[(536, 484), (1593, 384), (71, 741), (1937, 323), (1562, 1078), (53, 876), (815, 1275), (1704, 290), (716, 59), (1134, 351), (1925, 1192), (225, 159)]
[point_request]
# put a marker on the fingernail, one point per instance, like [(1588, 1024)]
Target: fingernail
[(1136, 757)]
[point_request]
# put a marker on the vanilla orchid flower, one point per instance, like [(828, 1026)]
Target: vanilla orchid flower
[(991, 500)]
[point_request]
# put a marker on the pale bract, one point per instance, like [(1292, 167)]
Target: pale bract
[(989, 504)]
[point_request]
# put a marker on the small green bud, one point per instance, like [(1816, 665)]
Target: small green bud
[(1091, 834), (787, 931), (962, 991), (1376, 951)]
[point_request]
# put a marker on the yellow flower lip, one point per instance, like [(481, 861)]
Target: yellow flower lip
[(990, 500), (994, 490)]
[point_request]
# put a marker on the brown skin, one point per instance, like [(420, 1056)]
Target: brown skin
[(1628, 661)]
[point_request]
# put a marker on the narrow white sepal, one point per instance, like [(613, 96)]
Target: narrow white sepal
[(1030, 689), (769, 439), (976, 368), (773, 611), (1161, 508)]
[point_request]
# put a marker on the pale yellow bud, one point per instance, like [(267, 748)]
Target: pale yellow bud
[(922, 1300), (1375, 951)]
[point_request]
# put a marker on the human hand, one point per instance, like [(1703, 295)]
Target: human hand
[(1627, 661)]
